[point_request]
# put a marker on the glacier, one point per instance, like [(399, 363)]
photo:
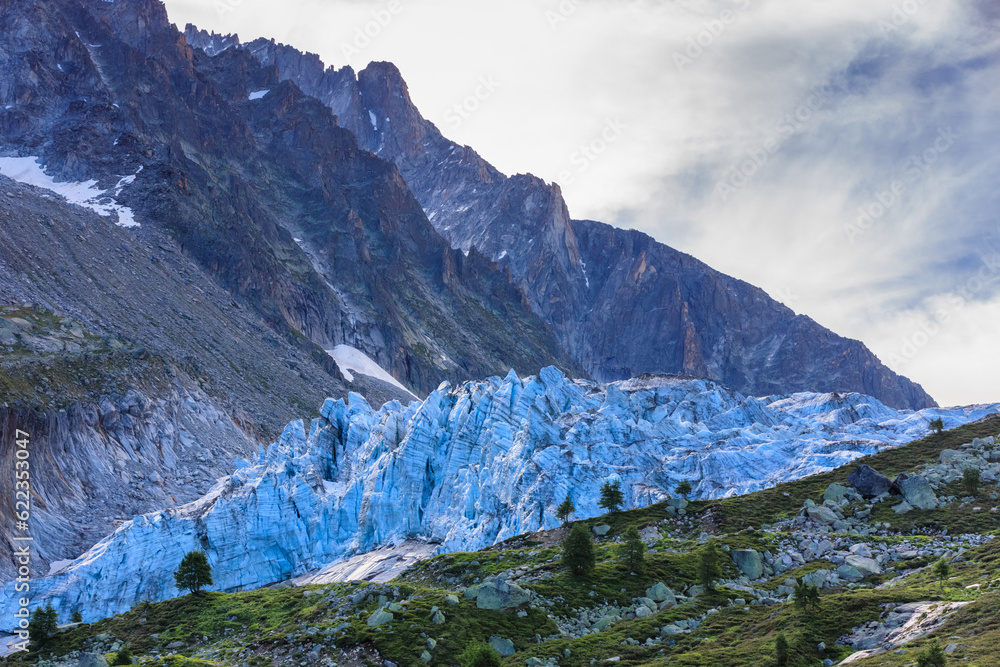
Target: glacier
[(470, 466)]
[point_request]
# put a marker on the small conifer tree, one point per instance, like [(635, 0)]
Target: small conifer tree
[(942, 570), (708, 566), (806, 596), (578, 551), (684, 488), (781, 650), (565, 509), (970, 481), (932, 656), (631, 552), (937, 425), (194, 572), (611, 496), (76, 617), (479, 654), (42, 625), (124, 656)]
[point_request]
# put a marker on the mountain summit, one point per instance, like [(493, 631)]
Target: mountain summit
[(618, 301)]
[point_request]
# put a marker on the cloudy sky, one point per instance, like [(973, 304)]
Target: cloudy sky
[(841, 154)]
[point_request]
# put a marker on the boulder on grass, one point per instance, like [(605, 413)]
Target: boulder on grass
[(749, 562), (868, 481), (916, 490)]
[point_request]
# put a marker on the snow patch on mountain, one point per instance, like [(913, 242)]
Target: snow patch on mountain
[(29, 170), (471, 466), (352, 360)]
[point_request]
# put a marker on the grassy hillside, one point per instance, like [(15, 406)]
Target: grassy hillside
[(735, 625)]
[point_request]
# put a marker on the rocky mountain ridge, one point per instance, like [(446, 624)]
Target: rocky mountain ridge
[(254, 182), (621, 303)]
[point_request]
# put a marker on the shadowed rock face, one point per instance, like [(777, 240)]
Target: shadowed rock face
[(619, 302), (265, 192)]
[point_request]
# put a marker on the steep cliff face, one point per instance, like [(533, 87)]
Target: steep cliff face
[(97, 465), (471, 466), (619, 302), (256, 183)]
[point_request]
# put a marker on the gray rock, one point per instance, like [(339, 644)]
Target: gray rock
[(916, 490), (868, 481), (426, 656), (873, 640), (438, 618), (866, 566), (91, 660), (902, 508), (450, 599), (668, 630), (749, 562), (817, 578), (601, 530), (951, 648), (502, 645), (661, 593), (499, 595), (173, 646), (379, 617), (821, 514), (643, 611), (603, 623), (679, 503), (948, 454), (838, 493)]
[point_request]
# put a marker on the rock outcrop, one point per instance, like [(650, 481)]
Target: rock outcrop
[(589, 281), (257, 185)]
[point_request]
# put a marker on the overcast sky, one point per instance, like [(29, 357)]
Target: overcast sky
[(748, 133)]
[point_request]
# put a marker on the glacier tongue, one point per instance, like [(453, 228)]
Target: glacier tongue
[(470, 466)]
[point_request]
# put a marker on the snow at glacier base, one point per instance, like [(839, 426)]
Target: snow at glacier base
[(471, 466)]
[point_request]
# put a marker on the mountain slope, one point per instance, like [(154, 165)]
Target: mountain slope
[(619, 302), (256, 183)]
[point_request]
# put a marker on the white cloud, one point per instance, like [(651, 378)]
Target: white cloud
[(893, 80)]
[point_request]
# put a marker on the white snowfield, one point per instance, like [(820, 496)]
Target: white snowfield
[(28, 170), (352, 360), (470, 466)]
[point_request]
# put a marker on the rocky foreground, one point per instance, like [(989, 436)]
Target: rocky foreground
[(865, 535)]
